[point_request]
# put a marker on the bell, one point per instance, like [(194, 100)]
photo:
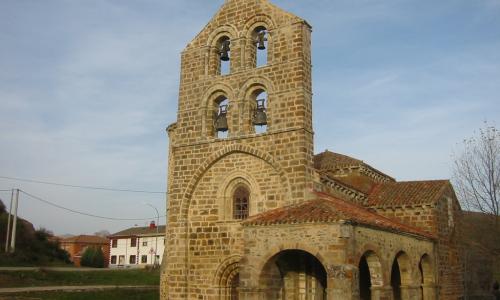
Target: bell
[(221, 123), (261, 38), (260, 117), (224, 52), (221, 119)]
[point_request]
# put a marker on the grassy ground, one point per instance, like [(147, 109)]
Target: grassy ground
[(120, 294), (56, 278)]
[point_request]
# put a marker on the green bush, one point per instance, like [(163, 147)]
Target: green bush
[(92, 257), (33, 247)]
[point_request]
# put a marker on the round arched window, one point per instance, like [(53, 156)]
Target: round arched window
[(240, 203)]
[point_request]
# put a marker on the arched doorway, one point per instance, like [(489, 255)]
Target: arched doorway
[(227, 279), (400, 275), (365, 284), (234, 287), (396, 280), (370, 274), (293, 275)]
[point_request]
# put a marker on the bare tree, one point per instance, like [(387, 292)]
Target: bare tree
[(476, 172)]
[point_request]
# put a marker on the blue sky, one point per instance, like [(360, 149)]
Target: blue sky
[(87, 88)]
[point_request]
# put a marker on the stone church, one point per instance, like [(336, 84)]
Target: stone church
[(255, 214)]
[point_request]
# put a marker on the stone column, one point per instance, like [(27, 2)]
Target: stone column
[(246, 294), (342, 282), (429, 291), (410, 292), (381, 292)]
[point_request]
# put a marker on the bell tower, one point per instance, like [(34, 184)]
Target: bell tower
[(242, 143)]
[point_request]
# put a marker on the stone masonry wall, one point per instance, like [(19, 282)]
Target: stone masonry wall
[(441, 219), (278, 162), (384, 248), (450, 266), (323, 241), (423, 216), (213, 235), (339, 248)]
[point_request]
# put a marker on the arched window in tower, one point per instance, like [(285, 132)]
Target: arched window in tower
[(259, 119), (261, 45), (240, 203), (224, 48), (221, 126)]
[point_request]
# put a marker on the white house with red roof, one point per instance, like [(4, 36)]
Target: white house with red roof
[(137, 247)]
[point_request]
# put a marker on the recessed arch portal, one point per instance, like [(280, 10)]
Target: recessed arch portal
[(220, 154), (370, 274), (227, 278), (400, 274), (293, 274)]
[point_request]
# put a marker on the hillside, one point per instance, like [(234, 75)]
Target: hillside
[(33, 247)]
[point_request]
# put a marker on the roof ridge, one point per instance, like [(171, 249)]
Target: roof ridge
[(426, 180), (441, 191)]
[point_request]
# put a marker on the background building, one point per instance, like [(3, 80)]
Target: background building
[(76, 245), (137, 247)]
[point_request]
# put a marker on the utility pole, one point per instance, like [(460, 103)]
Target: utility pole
[(8, 222), (156, 237), (14, 225)]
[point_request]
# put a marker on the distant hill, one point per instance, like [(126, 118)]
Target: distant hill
[(33, 247)]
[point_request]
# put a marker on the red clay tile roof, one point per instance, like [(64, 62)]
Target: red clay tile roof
[(327, 209), (140, 231), (358, 183), (407, 193), (331, 160), (85, 239)]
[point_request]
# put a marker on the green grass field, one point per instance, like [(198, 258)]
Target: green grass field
[(57, 278), (117, 294)]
